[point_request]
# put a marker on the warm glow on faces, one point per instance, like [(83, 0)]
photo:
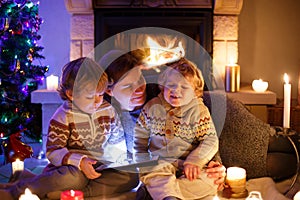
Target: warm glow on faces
[(130, 90), (88, 100), (178, 90)]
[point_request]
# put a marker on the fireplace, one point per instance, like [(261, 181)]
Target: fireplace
[(194, 24)]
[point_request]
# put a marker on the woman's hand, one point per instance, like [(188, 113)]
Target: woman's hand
[(86, 166), (217, 171), (191, 171)]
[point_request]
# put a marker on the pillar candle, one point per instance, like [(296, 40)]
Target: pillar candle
[(52, 82), (299, 90), (232, 78), (297, 196), (71, 195), (17, 165), (28, 195), (287, 102), (236, 179)]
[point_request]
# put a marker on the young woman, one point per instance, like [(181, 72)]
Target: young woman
[(128, 92)]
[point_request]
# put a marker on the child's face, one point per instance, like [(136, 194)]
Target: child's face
[(88, 100), (130, 91), (178, 90)]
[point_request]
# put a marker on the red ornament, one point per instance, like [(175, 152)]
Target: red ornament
[(15, 148)]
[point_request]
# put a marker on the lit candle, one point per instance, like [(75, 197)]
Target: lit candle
[(297, 196), (259, 85), (232, 78), (287, 102), (52, 82), (299, 90), (28, 195), (71, 195), (236, 179), (17, 165), (216, 197)]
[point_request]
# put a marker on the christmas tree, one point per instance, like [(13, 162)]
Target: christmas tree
[(19, 76)]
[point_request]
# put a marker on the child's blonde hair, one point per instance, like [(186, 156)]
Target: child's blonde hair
[(78, 74), (189, 70)]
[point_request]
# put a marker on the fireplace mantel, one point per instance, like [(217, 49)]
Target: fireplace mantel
[(231, 7)]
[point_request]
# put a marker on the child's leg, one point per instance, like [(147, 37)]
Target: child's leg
[(56, 179), (162, 182), (111, 182), (199, 188)]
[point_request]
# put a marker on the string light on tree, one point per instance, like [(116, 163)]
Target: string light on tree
[(19, 26)]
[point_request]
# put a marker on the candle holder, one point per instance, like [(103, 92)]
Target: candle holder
[(288, 131), (232, 78), (236, 182), (71, 195)]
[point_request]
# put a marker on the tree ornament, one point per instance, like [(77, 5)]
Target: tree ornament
[(18, 30), (16, 149), (4, 104), (4, 23), (18, 65)]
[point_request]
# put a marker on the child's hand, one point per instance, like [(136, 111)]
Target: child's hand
[(191, 171), (86, 166)]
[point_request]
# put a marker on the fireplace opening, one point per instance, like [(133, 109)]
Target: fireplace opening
[(194, 23)]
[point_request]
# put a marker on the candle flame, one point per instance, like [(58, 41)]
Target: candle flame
[(72, 193), (160, 55), (231, 61), (216, 197), (27, 192), (286, 78)]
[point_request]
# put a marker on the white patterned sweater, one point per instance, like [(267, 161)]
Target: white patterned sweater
[(73, 135), (186, 133)]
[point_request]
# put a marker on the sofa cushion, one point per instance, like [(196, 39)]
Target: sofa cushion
[(244, 140)]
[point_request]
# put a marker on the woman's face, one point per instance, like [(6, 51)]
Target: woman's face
[(130, 90)]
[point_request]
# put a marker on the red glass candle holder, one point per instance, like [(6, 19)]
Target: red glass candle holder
[(71, 195)]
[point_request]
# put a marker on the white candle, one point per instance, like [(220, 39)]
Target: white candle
[(297, 196), (28, 196), (216, 197), (52, 82), (259, 85), (236, 179), (299, 90), (17, 165), (287, 102), (234, 173)]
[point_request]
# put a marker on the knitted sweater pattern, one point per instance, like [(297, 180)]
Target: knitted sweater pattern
[(187, 132), (73, 134)]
